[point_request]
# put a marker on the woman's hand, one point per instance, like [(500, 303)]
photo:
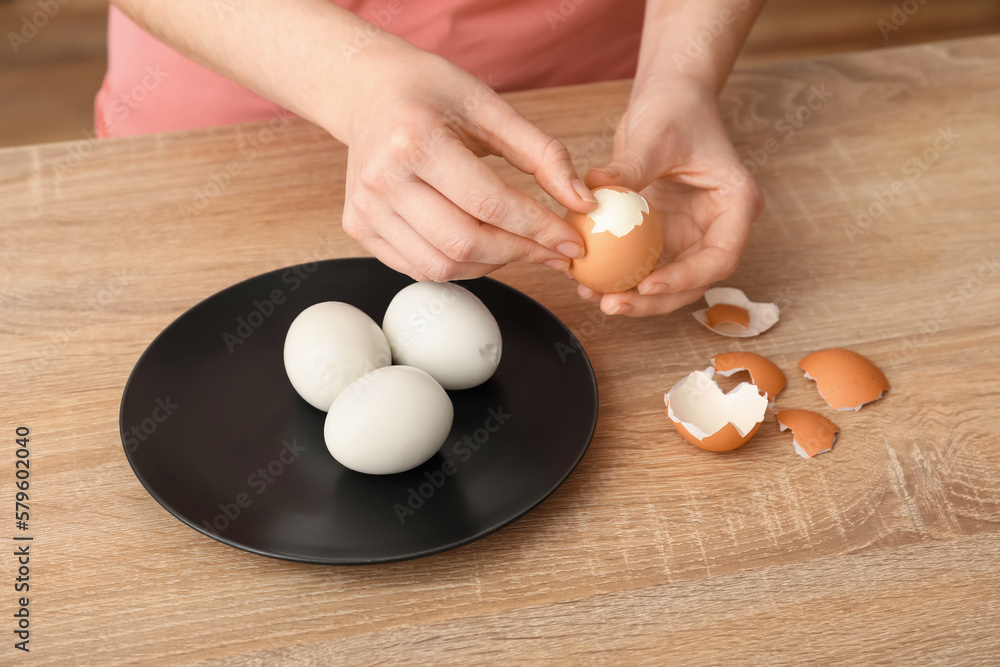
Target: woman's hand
[(419, 197), (672, 147)]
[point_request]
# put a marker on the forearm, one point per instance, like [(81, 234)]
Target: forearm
[(299, 54), (694, 40)]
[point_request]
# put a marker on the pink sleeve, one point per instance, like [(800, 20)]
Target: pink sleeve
[(509, 44)]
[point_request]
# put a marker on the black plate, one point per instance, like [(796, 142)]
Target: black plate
[(213, 429)]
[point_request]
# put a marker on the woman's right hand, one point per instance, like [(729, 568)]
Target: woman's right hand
[(419, 197)]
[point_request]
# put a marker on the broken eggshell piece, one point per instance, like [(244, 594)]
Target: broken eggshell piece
[(763, 372), (812, 433), (845, 379), (710, 419), (723, 313)]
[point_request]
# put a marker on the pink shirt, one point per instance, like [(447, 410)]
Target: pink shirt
[(509, 44)]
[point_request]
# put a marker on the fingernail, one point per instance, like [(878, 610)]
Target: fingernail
[(558, 264), (622, 309), (652, 288), (585, 292), (583, 191), (570, 249)]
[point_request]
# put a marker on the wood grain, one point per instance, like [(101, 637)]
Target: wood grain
[(880, 551)]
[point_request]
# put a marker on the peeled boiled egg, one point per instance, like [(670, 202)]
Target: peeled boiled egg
[(329, 346), (390, 420), (622, 240), (445, 330)]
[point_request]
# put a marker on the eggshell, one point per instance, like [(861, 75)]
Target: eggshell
[(845, 379), (764, 372), (388, 421), (812, 433), (614, 263), (710, 419), (726, 312), (724, 440), (725, 304)]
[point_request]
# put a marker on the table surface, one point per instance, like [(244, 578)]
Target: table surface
[(884, 548)]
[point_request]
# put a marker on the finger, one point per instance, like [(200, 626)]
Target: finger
[(482, 193), (424, 258), (459, 236), (637, 305), (629, 169), (588, 294), (386, 254), (718, 255), (534, 152)]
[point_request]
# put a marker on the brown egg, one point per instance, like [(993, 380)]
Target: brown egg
[(812, 433), (764, 372), (845, 379), (622, 239)]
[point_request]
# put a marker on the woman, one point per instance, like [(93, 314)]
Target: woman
[(415, 103)]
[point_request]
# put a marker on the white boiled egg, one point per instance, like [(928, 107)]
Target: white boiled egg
[(446, 330), (389, 420), (329, 346)]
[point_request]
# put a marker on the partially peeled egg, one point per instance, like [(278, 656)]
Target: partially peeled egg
[(622, 240)]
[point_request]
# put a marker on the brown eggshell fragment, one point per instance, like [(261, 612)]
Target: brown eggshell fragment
[(726, 312), (724, 440), (812, 433), (764, 372), (728, 301), (845, 379), (710, 419), (613, 263)]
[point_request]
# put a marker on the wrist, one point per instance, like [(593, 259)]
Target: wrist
[(367, 62), (684, 91)]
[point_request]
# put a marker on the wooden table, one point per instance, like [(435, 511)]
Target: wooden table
[(883, 550)]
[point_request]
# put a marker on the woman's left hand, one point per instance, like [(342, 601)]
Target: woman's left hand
[(672, 147)]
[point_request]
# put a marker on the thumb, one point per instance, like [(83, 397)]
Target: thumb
[(629, 169)]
